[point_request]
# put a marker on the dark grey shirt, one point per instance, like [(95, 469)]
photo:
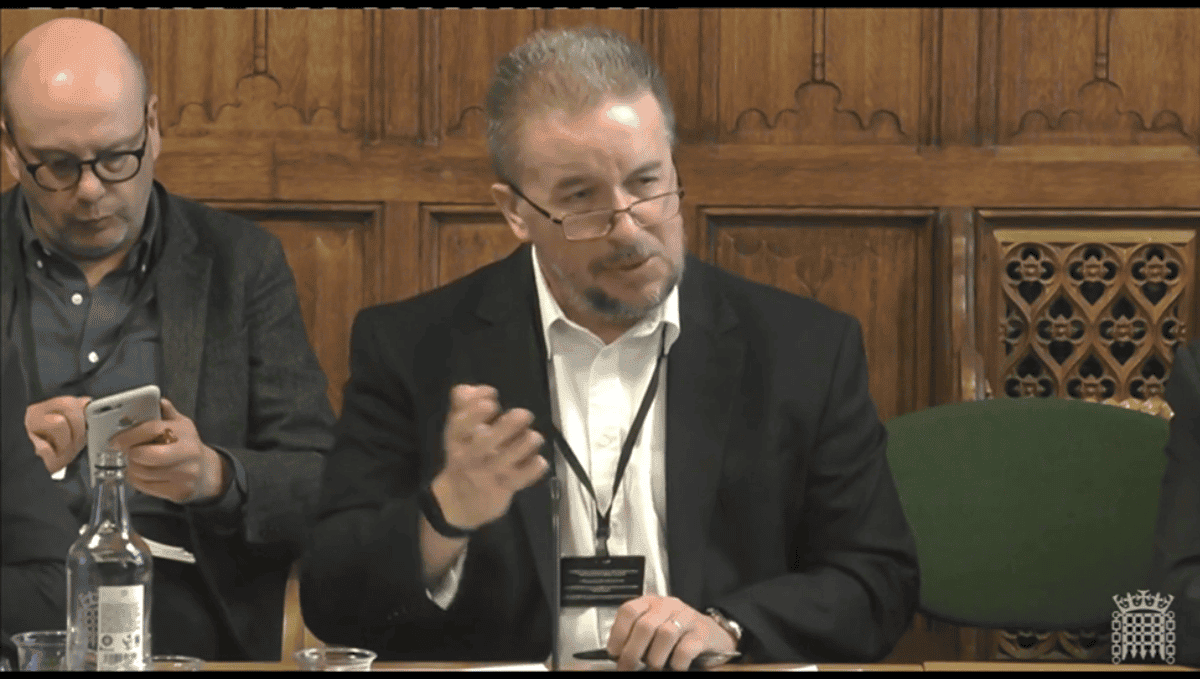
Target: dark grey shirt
[(96, 342)]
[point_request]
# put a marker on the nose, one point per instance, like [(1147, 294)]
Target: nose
[(623, 226), (89, 187)]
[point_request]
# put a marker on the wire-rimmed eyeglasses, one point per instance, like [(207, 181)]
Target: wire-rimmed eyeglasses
[(598, 223)]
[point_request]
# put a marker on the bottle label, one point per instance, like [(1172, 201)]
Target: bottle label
[(120, 619)]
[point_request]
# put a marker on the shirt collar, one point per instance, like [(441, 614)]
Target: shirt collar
[(553, 317), (138, 259)]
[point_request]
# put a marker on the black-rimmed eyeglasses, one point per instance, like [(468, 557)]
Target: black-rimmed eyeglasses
[(598, 223), (109, 166)]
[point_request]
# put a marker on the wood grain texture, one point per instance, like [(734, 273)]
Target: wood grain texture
[(867, 157), (1100, 76), (886, 255)]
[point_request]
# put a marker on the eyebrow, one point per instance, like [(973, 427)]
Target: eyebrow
[(108, 149), (571, 181)]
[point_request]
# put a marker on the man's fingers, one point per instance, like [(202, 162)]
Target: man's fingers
[(520, 449), (663, 641), (45, 451), (461, 395), (77, 421), (640, 637), (627, 615), (508, 429), (468, 414), (527, 473), (687, 649)]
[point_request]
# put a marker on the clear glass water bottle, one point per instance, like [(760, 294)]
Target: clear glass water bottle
[(109, 573)]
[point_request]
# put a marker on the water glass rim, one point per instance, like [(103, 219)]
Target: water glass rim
[(42, 636), (350, 651)]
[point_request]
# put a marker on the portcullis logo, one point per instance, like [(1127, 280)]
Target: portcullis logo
[(1143, 628)]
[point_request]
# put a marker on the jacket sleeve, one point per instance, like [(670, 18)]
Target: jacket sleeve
[(1176, 563), (290, 422), (38, 528), (853, 582), (364, 547)]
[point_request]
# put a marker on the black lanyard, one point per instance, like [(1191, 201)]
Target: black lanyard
[(602, 519)]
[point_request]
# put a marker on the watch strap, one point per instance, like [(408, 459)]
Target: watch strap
[(433, 514)]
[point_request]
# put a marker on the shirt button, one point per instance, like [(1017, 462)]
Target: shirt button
[(77, 299), (93, 357), (39, 264)]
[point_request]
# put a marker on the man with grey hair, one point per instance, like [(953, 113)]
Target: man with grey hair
[(718, 466), (111, 282)]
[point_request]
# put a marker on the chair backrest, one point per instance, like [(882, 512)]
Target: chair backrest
[(296, 635), (1029, 513)]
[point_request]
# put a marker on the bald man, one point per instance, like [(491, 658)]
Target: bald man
[(111, 282)]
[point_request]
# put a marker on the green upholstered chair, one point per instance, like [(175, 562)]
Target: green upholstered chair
[(1029, 513)]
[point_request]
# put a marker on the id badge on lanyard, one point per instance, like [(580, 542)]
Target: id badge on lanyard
[(605, 579)]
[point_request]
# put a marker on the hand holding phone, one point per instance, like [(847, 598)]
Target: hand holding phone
[(167, 459), (112, 414)]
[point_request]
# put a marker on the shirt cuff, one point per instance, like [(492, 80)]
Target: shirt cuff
[(444, 592)]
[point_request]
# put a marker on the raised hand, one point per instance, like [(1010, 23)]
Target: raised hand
[(490, 456)]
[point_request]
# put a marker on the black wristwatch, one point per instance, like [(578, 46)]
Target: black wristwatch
[(433, 514)]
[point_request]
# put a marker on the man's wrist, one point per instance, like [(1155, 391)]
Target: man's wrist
[(431, 508), (731, 627)]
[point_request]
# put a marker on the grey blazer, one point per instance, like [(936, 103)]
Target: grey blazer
[(236, 359)]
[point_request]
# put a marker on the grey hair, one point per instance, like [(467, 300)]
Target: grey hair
[(565, 69)]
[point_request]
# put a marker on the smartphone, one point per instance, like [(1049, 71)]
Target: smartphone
[(111, 414)]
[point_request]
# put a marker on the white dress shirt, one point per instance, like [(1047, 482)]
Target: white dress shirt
[(596, 390)]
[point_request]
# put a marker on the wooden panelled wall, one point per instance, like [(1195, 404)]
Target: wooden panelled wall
[(1009, 200)]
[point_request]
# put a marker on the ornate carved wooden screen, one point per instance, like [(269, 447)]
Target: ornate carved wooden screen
[(1091, 307), (1084, 305)]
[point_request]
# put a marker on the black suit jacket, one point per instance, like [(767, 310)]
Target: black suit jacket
[(1176, 564), (781, 509), (236, 359), (36, 526)]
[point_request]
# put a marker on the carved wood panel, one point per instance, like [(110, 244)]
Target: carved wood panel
[(332, 250), (817, 253), (1099, 75), (357, 136), (1090, 307), (818, 76), (458, 239)]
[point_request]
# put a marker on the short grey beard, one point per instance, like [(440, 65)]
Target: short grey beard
[(612, 309)]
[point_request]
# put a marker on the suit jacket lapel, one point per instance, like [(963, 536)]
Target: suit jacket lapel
[(181, 285), (703, 372), (505, 353)]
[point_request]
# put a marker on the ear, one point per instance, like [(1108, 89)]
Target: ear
[(152, 126), (10, 154), (506, 200)]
